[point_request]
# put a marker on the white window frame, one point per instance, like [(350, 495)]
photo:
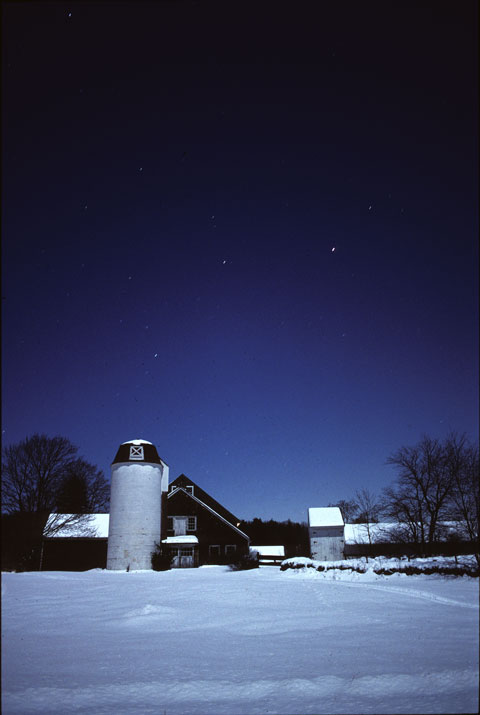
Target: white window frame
[(214, 546), (230, 549), (189, 489), (194, 527), (136, 453)]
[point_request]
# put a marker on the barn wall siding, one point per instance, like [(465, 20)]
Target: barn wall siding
[(327, 548), (74, 554), (211, 531)]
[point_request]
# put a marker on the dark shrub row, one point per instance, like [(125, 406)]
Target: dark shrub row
[(244, 563), (408, 570)]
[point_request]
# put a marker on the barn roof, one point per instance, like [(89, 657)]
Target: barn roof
[(269, 550), (184, 481), (325, 516), (180, 490), (137, 450), (93, 525), (382, 532)]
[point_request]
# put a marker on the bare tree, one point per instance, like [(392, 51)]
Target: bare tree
[(348, 509), (421, 499), (369, 511), (32, 471), (462, 460), (38, 475), (83, 489)]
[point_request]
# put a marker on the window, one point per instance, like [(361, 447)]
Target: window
[(230, 549), (189, 489), (192, 523), (136, 453), (214, 550), (172, 487)]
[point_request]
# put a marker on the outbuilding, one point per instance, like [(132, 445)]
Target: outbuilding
[(326, 532)]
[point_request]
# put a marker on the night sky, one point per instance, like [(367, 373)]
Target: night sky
[(246, 232)]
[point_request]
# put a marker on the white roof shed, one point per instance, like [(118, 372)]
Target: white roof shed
[(325, 516)]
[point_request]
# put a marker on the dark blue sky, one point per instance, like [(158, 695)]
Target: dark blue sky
[(175, 179)]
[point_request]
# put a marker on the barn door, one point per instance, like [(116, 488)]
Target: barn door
[(186, 562), (185, 557)]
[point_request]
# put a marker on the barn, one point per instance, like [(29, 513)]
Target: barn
[(196, 530), (199, 529), (326, 532)]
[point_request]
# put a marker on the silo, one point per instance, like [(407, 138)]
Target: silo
[(139, 477)]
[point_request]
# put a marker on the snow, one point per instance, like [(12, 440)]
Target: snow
[(269, 550), (211, 640), (358, 533), (373, 566), (382, 532), (137, 441), (325, 516), (96, 525), (185, 539)]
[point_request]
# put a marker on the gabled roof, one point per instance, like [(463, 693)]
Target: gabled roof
[(325, 516), (137, 450), (183, 481), (181, 490)]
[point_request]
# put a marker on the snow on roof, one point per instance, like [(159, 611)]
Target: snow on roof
[(137, 441), (382, 532), (269, 550), (358, 533), (180, 540), (93, 525), (325, 516)]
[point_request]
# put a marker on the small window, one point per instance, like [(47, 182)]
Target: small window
[(172, 487), (189, 489), (136, 453), (214, 550), (230, 549), (192, 523)]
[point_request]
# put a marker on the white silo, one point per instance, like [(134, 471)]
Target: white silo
[(139, 477)]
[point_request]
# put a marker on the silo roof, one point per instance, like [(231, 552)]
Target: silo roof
[(325, 516), (137, 450)]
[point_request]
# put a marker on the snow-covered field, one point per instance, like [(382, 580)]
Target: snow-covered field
[(214, 641)]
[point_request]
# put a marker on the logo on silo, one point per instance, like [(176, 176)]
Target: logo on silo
[(136, 453)]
